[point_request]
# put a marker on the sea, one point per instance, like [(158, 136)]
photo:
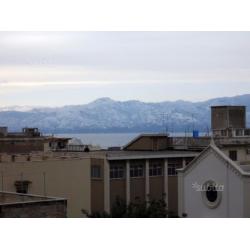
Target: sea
[(105, 140)]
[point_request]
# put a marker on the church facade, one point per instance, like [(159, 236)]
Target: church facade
[(215, 185)]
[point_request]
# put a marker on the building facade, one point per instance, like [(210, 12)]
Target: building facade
[(215, 185), (50, 175), (92, 181), (29, 140)]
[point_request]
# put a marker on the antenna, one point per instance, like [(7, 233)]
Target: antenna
[(207, 130), (164, 120)]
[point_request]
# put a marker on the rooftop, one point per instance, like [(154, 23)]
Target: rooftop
[(10, 198), (120, 155), (228, 106)]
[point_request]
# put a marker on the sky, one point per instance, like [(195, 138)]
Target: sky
[(63, 68)]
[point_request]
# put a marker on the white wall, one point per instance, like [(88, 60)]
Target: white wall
[(211, 167), (247, 197)]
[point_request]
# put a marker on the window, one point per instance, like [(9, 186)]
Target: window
[(136, 170), (22, 186), (116, 172), (247, 132), (239, 132), (233, 155), (155, 169), (13, 158), (172, 171), (95, 171), (211, 194), (223, 133), (174, 164)]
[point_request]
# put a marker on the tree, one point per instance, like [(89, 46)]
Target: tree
[(137, 209)]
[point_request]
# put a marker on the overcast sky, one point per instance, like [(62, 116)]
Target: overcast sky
[(61, 68)]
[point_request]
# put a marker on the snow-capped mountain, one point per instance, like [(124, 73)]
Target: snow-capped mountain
[(16, 108), (107, 115)]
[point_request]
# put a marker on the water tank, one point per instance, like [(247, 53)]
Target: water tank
[(195, 133)]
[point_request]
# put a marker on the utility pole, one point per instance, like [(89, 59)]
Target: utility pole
[(44, 184)]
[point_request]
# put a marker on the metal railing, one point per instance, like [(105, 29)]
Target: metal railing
[(71, 148)]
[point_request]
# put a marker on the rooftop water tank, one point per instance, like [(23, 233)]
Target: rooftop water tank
[(195, 133)]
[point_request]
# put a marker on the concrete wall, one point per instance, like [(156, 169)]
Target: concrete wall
[(68, 179), (42, 209), (173, 194), (97, 195), (97, 187), (241, 153), (117, 189), (137, 189), (237, 117), (156, 184), (224, 117), (219, 118), (25, 146), (246, 182)]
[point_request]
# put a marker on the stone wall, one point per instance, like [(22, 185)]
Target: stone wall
[(37, 209)]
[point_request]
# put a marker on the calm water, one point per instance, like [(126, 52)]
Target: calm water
[(105, 140)]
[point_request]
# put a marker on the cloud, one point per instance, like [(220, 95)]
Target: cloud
[(187, 61)]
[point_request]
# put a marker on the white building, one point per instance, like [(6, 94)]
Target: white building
[(216, 184)]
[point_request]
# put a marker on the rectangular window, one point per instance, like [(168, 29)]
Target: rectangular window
[(136, 170), (233, 155), (239, 132), (172, 171), (173, 164), (116, 172), (155, 169), (13, 158), (247, 132), (22, 186), (223, 133), (95, 171)]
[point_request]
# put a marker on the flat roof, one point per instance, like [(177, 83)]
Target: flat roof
[(38, 138), (228, 106), (10, 198), (126, 155)]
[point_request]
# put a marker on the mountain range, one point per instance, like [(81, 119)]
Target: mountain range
[(107, 115)]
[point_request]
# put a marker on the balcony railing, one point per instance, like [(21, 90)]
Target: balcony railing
[(71, 148)]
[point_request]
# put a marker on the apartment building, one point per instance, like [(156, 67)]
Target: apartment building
[(28, 140), (49, 175), (144, 169)]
